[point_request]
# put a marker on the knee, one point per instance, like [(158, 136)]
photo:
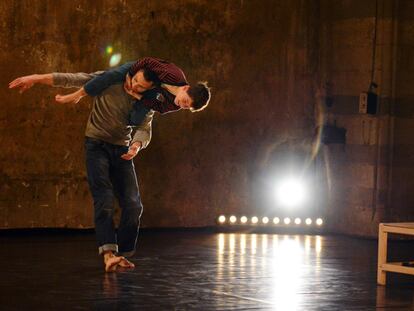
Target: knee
[(134, 210), (104, 213)]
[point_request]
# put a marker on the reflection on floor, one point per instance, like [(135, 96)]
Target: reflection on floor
[(202, 271)]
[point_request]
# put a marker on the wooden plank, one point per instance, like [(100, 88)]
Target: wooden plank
[(382, 255), (400, 224), (398, 268), (399, 230)]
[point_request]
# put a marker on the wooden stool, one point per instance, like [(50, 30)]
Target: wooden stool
[(383, 265)]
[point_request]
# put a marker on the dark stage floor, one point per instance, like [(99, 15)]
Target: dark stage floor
[(202, 271)]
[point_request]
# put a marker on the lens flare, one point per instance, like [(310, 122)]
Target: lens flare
[(308, 221), (265, 220), (243, 219), (319, 221), (298, 221), (222, 219), (233, 219), (276, 220), (286, 220), (109, 49), (255, 220), (115, 60)]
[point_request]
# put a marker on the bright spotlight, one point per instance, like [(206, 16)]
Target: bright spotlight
[(291, 192), (298, 221), (115, 59), (319, 221), (308, 221), (243, 219), (233, 219), (222, 219), (255, 220), (286, 220), (265, 220), (276, 220)]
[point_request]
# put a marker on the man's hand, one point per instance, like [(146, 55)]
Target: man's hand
[(72, 98), (133, 151), (26, 82), (23, 83)]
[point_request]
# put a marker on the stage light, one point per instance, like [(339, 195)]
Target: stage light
[(233, 219), (319, 221), (255, 220), (298, 221), (276, 220), (243, 219), (291, 192), (265, 220), (286, 220), (115, 59), (308, 221), (222, 219)]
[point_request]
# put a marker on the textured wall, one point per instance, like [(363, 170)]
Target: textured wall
[(371, 175), (358, 170), (257, 56), (273, 65), (402, 175)]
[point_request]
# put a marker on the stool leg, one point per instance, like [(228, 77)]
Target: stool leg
[(382, 254)]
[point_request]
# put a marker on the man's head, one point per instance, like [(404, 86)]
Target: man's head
[(143, 80), (195, 98)]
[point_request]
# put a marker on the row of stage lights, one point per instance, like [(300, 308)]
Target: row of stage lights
[(265, 220)]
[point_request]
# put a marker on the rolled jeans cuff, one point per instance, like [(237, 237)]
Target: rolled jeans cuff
[(108, 247)]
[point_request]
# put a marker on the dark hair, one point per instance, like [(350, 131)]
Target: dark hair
[(150, 75), (200, 94)]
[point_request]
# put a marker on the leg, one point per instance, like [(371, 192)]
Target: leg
[(382, 254), (125, 183), (98, 165)]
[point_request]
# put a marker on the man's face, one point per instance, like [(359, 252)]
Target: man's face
[(138, 84), (182, 99)]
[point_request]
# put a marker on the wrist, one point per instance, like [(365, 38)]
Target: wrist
[(43, 79), (82, 92), (136, 145)]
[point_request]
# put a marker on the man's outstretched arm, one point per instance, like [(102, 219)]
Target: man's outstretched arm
[(26, 82), (98, 84), (56, 79)]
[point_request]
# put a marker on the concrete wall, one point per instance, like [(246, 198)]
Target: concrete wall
[(401, 200), (256, 56), (273, 66)]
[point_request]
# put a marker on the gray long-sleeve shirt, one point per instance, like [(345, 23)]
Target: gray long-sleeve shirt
[(109, 116)]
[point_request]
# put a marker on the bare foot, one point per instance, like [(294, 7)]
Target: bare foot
[(125, 263), (111, 263)]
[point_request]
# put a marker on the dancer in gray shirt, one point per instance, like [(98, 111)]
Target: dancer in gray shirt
[(110, 145)]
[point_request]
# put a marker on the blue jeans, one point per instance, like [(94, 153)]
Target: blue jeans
[(110, 177)]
